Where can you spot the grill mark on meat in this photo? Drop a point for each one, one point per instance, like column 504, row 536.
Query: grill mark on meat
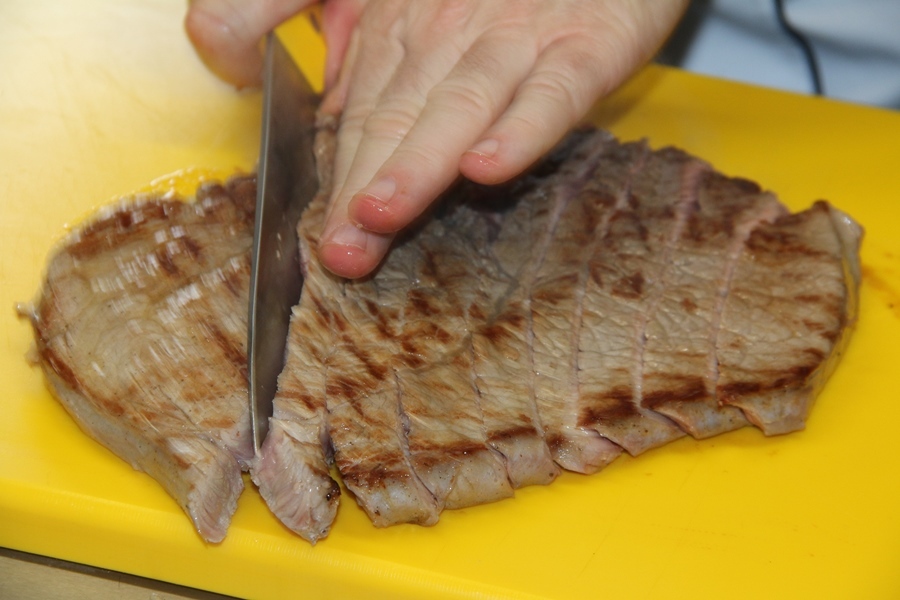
column 558, row 387
column 766, row 239
column 326, row 317
column 233, row 350
column 766, row 371
column 419, row 301
column 677, row 347
column 308, row 401
column 374, row 473
column 514, row 432
column 644, row 228
column 610, row 407
column 499, row 331
column 120, row 328
column 682, row 389
column 502, row 350
column 57, row 364
column 629, row 286
column 689, row 305
column 113, row 229
column 375, row 370
column 219, row 423
column 790, row 377
column 233, row 281
column 382, row 319
column 165, row 260
column 347, row 388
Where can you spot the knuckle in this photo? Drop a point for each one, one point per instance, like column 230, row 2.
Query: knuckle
column 384, row 18
column 486, row 61
column 391, row 122
column 460, row 99
column 421, row 159
column 529, row 126
column 557, row 89
column 353, row 118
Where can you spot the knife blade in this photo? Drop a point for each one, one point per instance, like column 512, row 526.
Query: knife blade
column 286, row 182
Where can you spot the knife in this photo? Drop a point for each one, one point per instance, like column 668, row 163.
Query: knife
column 286, row 182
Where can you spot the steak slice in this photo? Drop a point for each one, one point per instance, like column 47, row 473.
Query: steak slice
column 679, row 356
column 292, row 468
column 141, row 328
column 402, row 373
column 787, row 317
column 624, row 280
column 516, row 369
column 555, row 303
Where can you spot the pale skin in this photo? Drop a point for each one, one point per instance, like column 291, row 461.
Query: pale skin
column 428, row 90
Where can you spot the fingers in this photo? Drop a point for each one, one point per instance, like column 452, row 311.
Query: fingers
column 557, row 92
column 483, row 93
column 572, row 72
column 367, row 71
column 351, row 252
column 227, row 34
column 455, row 112
column 339, row 19
column 409, row 142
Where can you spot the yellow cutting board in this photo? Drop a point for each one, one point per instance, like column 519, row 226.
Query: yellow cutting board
column 98, row 98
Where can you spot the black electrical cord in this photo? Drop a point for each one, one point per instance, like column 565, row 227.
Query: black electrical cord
column 808, row 52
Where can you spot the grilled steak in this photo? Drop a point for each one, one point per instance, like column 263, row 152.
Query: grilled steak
column 141, row 330
column 611, row 300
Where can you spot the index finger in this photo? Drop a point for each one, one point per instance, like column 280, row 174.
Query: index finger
column 458, row 110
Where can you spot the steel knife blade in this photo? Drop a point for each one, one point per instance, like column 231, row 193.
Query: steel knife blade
column 286, row 182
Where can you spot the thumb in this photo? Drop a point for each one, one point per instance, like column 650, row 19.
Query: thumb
column 227, row 34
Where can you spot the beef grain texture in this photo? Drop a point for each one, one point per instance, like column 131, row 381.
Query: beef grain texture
column 141, row 330
column 613, row 299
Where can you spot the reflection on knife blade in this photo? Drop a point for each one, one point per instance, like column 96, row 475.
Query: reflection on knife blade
column 287, row 182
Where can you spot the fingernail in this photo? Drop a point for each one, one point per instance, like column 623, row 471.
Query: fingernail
column 487, row 147
column 348, row 235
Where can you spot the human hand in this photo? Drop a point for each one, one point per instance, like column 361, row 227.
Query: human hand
column 431, row 89
column 227, row 34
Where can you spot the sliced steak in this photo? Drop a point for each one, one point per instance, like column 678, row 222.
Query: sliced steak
column 292, row 468
column 679, row 357
column 625, row 278
column 407, row 375
column 517, row 335
column 573, row 314
column 611, row 300
column 787, row 316
column 555, row 300
column 141, row 329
